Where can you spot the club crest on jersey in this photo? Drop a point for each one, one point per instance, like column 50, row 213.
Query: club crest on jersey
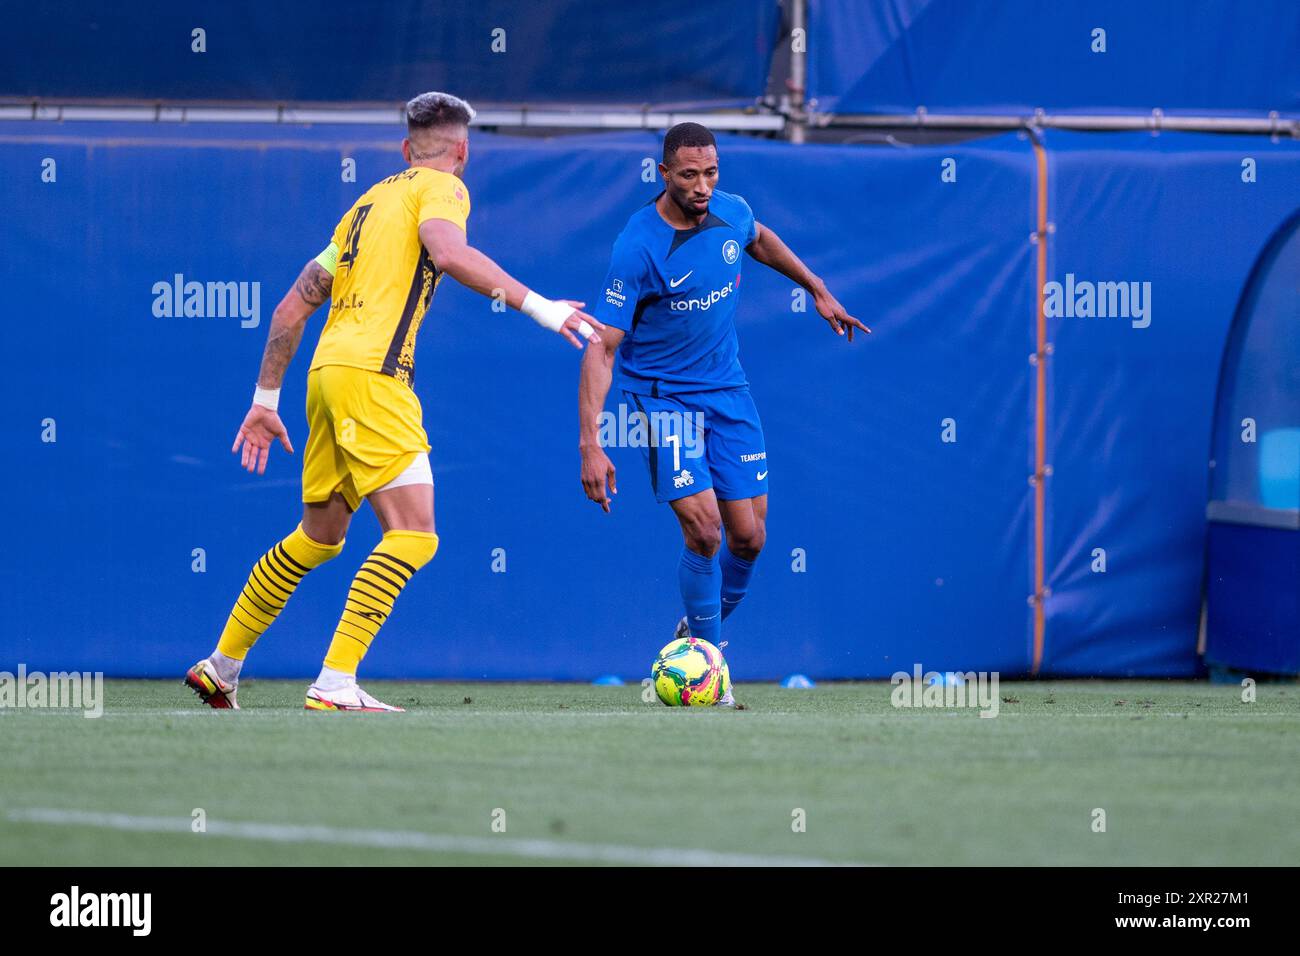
column 684, row 479
column 730, row 251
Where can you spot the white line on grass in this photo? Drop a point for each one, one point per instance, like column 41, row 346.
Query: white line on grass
column 1139, row 712
column 416, row 840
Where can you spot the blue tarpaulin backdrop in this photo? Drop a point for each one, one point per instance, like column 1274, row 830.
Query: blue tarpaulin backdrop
column 502, row 51
column 916, row 549
column 1131, row 410
column 1183, row 56
column 954, row 56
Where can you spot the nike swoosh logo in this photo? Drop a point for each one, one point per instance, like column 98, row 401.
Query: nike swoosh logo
column 709, row 618
column 674, row 283
column 761, row 475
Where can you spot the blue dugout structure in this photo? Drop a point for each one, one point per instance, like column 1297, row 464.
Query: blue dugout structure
column 1253, row 567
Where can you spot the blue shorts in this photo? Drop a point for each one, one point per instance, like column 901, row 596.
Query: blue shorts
column 699, row 440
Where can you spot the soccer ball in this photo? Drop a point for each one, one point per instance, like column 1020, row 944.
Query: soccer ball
column 690, row 673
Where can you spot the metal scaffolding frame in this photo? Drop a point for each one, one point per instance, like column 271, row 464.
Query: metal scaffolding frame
column 1274, row 124
column 794, row 123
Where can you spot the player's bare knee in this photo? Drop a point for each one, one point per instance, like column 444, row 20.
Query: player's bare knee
column 326, row 522
column 748, row 545
column 418, row 525
column 323, row 532
column 703, row 537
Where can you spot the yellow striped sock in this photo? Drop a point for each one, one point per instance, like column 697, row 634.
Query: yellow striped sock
column 270, row 585
column 374, row 590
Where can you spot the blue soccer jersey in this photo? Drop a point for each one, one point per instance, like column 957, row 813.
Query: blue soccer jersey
column 674, row 293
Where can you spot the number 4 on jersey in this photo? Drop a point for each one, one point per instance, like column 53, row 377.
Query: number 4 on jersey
column 348, row 257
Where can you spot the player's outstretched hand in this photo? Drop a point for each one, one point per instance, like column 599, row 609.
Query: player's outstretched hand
column 260, row 426
column 596, row 468
column 580, row 322
column 840, row 321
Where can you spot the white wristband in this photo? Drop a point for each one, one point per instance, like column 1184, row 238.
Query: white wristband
column 545, row 312
column 267, row 398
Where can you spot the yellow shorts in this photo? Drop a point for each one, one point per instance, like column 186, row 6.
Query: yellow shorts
column 364, row 430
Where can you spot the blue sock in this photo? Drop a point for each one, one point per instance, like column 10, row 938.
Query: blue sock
column 701, row 585
column 736, row 573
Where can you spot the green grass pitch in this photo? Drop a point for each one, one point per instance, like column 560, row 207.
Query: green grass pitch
column 1186, row 774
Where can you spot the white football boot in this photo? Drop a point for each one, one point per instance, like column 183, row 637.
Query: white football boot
column 350, row 697
column 204, row 680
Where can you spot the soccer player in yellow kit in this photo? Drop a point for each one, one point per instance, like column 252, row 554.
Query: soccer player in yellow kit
column 366, row 440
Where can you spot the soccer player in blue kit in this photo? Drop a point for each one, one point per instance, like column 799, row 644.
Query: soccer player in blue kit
column 668, row 305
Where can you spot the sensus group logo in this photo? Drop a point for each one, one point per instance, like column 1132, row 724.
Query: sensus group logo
column 614, row 294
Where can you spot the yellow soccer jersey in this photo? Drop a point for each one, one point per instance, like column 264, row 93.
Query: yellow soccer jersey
column 383, row 277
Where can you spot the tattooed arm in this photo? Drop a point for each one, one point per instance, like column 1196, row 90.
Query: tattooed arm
column 262, row 425
column 290, row 317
